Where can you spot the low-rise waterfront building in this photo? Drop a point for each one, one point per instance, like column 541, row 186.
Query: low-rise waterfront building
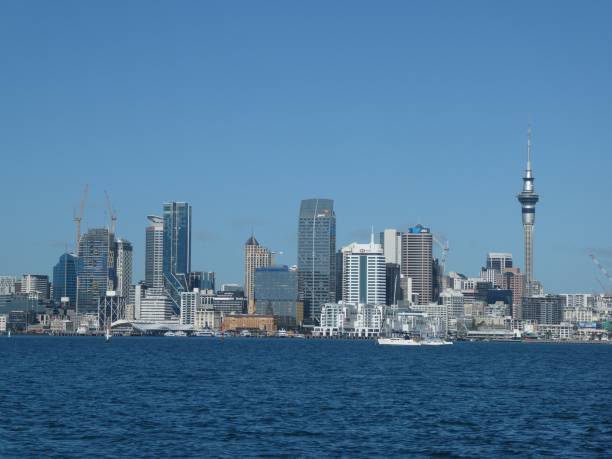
column 238, row 322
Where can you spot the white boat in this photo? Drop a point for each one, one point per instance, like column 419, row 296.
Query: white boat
column 282, row 333
column 435, row 342
column 206, row 332
column 219, row 334
column 169, row 333
column 180, row 333
column 298, row 335
column 401, row 341
column 82, row 330
column 245, row 333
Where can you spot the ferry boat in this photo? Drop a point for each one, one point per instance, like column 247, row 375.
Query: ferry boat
column 435, row 342
column 245, row 333
column 398, row 341
column 180, row 333
column 206, row 332
column 282, row 333
column 169, row 333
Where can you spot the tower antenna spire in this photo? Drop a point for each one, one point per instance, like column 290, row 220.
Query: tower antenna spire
column 529, row 149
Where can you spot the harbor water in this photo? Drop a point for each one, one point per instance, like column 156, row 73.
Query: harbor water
column 249, row 397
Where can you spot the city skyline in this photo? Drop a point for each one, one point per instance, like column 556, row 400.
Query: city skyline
column 441, row 124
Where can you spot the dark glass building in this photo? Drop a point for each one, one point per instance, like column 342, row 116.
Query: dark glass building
column 545, row 309
column 316, row 256
column 94, row 268
column 393, row 285
column 202, row 280
column 65, row 279
column 177, row 247
column 276, row 294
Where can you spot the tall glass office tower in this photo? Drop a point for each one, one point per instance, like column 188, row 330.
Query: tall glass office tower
column 316, row 256
column 177, row 247
column 96, row 273
column 154, row 252
column 65, row 279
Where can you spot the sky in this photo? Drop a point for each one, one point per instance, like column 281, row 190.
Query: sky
column 403, row 112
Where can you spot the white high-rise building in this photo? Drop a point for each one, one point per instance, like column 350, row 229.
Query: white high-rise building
column 36, row 284
column 364, row 273
column 124, row 268
column 154, row 252
column 7, row 285
column 453, row 300
column 154, row 306
column 190, row 303
column 391, row 240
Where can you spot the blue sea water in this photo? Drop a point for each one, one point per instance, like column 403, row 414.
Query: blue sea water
column 204, row 397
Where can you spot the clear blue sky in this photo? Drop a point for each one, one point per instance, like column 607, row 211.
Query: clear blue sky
column 399, row 111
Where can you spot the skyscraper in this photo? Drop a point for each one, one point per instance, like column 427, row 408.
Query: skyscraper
column 499, row 261
column 177, row 247
column 276, row 294
column 154, row 252
column 123, row 267
column 255, row 256
column 528, row 199
column 417, row 262
column 65, row 279
column 391, row 240
column 364, row 274
column 95, row 273
column 316, row 256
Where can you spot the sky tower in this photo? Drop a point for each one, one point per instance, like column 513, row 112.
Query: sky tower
column 528, row 199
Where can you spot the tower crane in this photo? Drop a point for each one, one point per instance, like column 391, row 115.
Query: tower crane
column 111, row 212
column 79, row 217
column 603, row 270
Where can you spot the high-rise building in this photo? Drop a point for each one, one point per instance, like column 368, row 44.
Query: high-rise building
column 515, row 281
column 8, row 285
column 316, row 256
column 391, row 240
column 177, row 248
column 95, row 275
column 417, row 262
column 123, row 267
column 190, row 303
column 393, row 282
column 544, row 309
column 37, row 284
column 453, row 300
column 276, row 294
column 204, row 281
column 528, row 199
column 498, row 261
column 154, row 252
column 255, row 256
column 364, row 274
column 65, row 279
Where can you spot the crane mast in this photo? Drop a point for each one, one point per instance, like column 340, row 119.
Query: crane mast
column 79, row 217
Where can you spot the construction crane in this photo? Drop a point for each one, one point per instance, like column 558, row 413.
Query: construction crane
column 443, row 244
column 79, row 217
column 603, row 270
column 111, row 212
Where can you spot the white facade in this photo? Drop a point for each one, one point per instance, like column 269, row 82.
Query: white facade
column 207, row 318
column 576, row 300
column 392, row 245
column 190, row 303
column 453, row 300
column 363, row 274
column 155, row 307
column 35, row 284
column 3, row 323
column 7, row 285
